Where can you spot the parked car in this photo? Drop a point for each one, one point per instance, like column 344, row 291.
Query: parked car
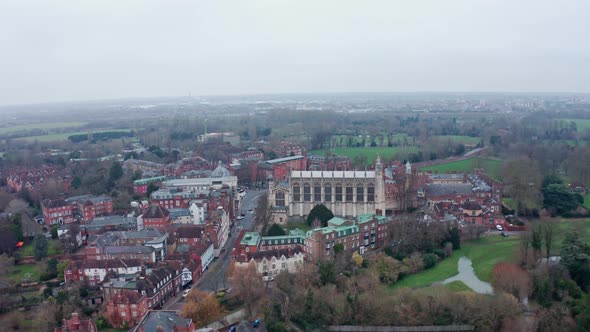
column 504, row 234
column 268, row 278
column 499, row 227
column 239, row 217
column 186, row 292
column 257, row 322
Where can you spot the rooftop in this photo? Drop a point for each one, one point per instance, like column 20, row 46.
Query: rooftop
column 448, row 189
column 334, row 174
column 250, row 239
column 166, row 320
column 285, row 159
column 336, row 221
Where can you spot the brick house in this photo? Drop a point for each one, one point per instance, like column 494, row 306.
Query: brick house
column 154, row 217
column 126, row 308
column 57, row 212
column 87, row 207
column 75, row 324
column 94, row 272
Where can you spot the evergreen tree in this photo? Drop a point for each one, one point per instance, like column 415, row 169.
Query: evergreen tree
column 41, row 246
column 575, row 256
column 320, row 212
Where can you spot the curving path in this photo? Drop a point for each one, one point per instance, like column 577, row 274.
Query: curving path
column 468, row 277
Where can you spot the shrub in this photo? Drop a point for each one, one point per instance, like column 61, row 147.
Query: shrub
column 448, row 248
column 440, row 253
column 430, row 260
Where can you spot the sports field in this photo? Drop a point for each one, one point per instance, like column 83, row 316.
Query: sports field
column 370, row 152
column 492, row 166
column 581, row 124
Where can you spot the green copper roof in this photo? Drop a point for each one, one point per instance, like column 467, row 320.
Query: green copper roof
column 250, row 239
column 336, row 221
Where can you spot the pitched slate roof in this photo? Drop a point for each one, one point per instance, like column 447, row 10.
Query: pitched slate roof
column 155, row 212
column 439, row 189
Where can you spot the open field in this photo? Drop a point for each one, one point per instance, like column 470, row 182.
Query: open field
column 64, row 136
column 581, row 124
column 370, row 152
column 492, row 166
column 457, row 286
column 484, row 253
column 460, row 139
column 487, row 252
column 41, row 126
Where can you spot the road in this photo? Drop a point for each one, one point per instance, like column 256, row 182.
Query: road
column 214, row 278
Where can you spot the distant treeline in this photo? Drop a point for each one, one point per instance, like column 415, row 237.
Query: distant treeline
column 101, row 136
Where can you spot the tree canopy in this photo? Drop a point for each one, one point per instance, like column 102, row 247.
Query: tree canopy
column 321, row 213
column 276, row 230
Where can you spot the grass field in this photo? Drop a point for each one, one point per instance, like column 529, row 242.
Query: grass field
column 457, row 286
column 461, row 139
column 41, row 126
column 581, row 124
column 370, row 152
column 587, row 201
column 19, row 271
column 64, row 136
column 55, row 248
column 492, row 166
column 487, row 252
column 484, row 253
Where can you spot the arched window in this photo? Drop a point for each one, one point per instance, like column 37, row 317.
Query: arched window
column 328, row 193
column 370, row 193
column 317, row 192
column 306, row 192
column 296, row 192
column 349, row 192
column 338, row 192
column 280, row 198
column 360, row 193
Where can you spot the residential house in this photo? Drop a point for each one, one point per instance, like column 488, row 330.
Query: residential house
column 75, row 324
column 126, row 309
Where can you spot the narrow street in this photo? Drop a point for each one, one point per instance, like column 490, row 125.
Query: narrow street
column 214, row 278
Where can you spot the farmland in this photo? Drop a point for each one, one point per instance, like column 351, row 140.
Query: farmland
column 41, row 127
column 468, row 140
column 64, row 136
column 492, row 166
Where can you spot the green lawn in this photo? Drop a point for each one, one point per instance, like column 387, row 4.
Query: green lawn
column 484, row 253
column 492, row 166
column 64, row 136
column 19, row 271
column 487, row 252
column 370, row 152
column 508, row 201
column 581, row 124
column 587, row 201
column 55, row 248
column 41, row 126
column 457, row 286
column 460, row 139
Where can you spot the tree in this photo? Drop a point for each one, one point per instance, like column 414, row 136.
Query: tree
column 357, row 259
column 70, row 240
column 536, row 240
column 320, row 212
column 548, row 228
column 523, row 180
column 41, row 246
column 248, row 286
column 116, row 171
column 276, row 230
column 575, row 256
column 386, row 268
column 455, row 237
column 17, row 206
column 558, row 199
column 430, row 260
column 512, row 279
column 151, row 188
column 327, row 270
column 201, row 307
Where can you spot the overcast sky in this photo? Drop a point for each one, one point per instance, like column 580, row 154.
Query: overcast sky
column 81, row 50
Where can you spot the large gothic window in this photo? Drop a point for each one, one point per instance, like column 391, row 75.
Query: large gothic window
column 296, row 192
column 338, row 192
column 280, row 198
column 360, row 193
column 306, row 192
column 370, row 193
column 349, row 192
column 317, row 192
column 328, row 193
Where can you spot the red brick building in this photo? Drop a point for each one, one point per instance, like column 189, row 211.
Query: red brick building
column 140, row 186
column 94, row 272
column 191, row 234
column 126, row 309
column 57, row 212
column 155, row 217
column 88, row 207
column 281, row 167
column 75, row 324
